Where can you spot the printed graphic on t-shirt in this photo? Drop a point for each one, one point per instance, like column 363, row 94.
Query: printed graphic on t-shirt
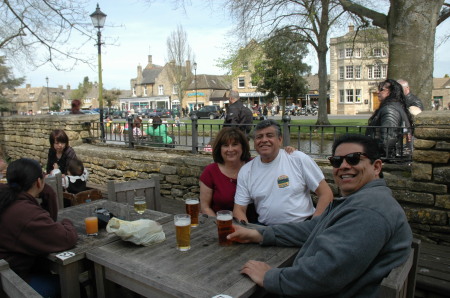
column 283, row 181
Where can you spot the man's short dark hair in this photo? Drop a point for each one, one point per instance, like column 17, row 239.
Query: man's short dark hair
column 370, row 146
column 267, row 123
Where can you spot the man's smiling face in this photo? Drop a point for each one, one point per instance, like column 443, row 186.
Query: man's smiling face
column 267, row 143
column 351, row 178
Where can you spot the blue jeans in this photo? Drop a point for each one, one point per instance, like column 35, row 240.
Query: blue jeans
column 47, row 285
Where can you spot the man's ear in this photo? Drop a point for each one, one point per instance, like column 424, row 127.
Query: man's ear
column 377, row 166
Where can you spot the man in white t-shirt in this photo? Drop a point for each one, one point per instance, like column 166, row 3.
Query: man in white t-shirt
column 279, row 183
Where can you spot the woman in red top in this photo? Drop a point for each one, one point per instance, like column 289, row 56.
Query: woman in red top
column 219, row 179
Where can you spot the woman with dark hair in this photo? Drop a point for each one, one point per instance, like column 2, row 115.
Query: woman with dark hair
column 60, row 153
column 28, row 232
column 158, row 129
column 387, row 120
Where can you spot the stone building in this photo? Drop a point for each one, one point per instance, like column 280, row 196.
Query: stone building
column 358, row 62
column 441, row 92
column 37, row 100
column 153, row 88
column 207, row 90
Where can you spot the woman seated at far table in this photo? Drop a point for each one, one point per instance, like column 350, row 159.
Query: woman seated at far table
column 218, row 181
column 60, row 153
column 158, row 129
column 28, row 231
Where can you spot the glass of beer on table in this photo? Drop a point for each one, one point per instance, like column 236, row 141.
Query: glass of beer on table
column 193, row 209
column 183, row 231
column 224, row 226
column 140, row 204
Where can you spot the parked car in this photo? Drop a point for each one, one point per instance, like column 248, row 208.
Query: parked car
column 165, row 113
column 118, row 114
column 91, row 112
column 211, row 112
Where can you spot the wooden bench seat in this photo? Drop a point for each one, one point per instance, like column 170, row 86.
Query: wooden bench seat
column 11, row 285
column 433, row 275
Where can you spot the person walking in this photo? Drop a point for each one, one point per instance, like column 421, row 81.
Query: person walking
column 237, row 114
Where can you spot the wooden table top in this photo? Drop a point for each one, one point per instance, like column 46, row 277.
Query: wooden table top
column 206, row 270
column 78, row 213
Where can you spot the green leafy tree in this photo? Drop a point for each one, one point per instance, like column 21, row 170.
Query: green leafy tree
column 82, row 90
column 7, row 81
column 110, row 97
column 280, row 71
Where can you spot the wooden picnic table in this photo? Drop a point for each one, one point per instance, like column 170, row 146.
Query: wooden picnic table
column 160, row 270
column 71, row 263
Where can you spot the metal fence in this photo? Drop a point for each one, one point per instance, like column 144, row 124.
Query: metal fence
column 314, row 140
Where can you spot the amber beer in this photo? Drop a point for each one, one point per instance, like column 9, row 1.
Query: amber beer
column 192, row 208
column 224, row 226
column 183, row 231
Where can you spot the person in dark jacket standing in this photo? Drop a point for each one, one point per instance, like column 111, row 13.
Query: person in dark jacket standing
column 411, row 99
column 238, row 114
column 28, row 231
column 387, row 121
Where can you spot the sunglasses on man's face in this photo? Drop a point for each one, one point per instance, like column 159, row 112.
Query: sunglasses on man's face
column 351, row 158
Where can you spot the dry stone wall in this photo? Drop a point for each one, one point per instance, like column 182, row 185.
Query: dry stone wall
column 421, row 188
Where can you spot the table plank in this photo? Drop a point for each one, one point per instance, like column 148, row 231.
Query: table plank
column 204, row 271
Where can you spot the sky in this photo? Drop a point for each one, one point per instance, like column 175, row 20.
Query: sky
column 135, row 29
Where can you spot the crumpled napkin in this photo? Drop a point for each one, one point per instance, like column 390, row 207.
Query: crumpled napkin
column 141, row 232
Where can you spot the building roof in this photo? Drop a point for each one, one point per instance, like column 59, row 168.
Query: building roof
column 441, row 83
column 313, row 82
column 214, row 82
column 150, row 74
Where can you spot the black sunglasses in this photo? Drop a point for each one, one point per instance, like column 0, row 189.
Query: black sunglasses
column 351, row 158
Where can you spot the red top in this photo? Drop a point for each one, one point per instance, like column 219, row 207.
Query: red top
column 223, row 187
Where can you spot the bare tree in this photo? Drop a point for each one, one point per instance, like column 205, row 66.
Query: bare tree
column 178, row 52
column 411, row 27
column 36, row 32
column 312, row 19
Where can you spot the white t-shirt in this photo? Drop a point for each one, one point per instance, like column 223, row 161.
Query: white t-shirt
column 280, row 189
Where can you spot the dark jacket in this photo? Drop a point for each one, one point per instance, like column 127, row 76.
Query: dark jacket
column 239, row 115
column 63, row 162
column 387, row 122
column 28, row 232
column 412, row 100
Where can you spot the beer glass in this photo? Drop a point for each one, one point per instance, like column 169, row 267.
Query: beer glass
column 139, row 204
column 192, row 208
column 91, row 225
column 224, row 226
column 183, row 231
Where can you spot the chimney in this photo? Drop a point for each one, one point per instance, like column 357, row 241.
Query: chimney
column 139, row 71
column 351, row 28
column 150, row 60
column 68, row 87
column 188, row 68
column 28, row 86
column 60, row 86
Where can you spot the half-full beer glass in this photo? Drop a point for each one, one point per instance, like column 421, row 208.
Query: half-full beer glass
column 224, row 226
column 192, row 208
column 183, row 231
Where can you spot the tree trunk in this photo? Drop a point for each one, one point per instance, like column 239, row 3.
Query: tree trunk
column 411, row 29
column 322, row 118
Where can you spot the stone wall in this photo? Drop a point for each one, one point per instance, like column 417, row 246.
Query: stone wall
column 422, row 188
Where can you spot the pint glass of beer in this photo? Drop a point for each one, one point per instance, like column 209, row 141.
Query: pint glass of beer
column 192, row 208
column 183, row 231
column 224, row 226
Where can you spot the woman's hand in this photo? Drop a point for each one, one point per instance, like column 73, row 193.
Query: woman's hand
column 289, row 149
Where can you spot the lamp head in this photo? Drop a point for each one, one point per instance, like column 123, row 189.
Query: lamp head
column 98, row 18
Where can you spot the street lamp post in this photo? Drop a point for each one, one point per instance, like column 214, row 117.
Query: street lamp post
column 98, row 20
column 48, row 95
column 195, row 81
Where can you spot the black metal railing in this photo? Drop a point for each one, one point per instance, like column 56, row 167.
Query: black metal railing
column 314, row 140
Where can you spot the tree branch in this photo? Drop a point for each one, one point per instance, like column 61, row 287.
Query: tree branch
column 445, row 13
column 378, row 19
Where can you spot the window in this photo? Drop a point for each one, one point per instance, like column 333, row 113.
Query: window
column 358, row 95
column 145, row 90
column 357, row 71
column 341, row 53
column 245, row 65
column 175, row 89
column 375, row 71
column 357, row 53
column 341, row 72
column 379, row 52
column 349, row 95
column 348, row 52
column 134, row 91
column 341, row 96
column 241, row 82
column 384, row 70
column 349, row 72
column 160, row 89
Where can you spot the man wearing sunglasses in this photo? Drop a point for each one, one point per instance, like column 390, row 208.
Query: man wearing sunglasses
column 352, row 246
